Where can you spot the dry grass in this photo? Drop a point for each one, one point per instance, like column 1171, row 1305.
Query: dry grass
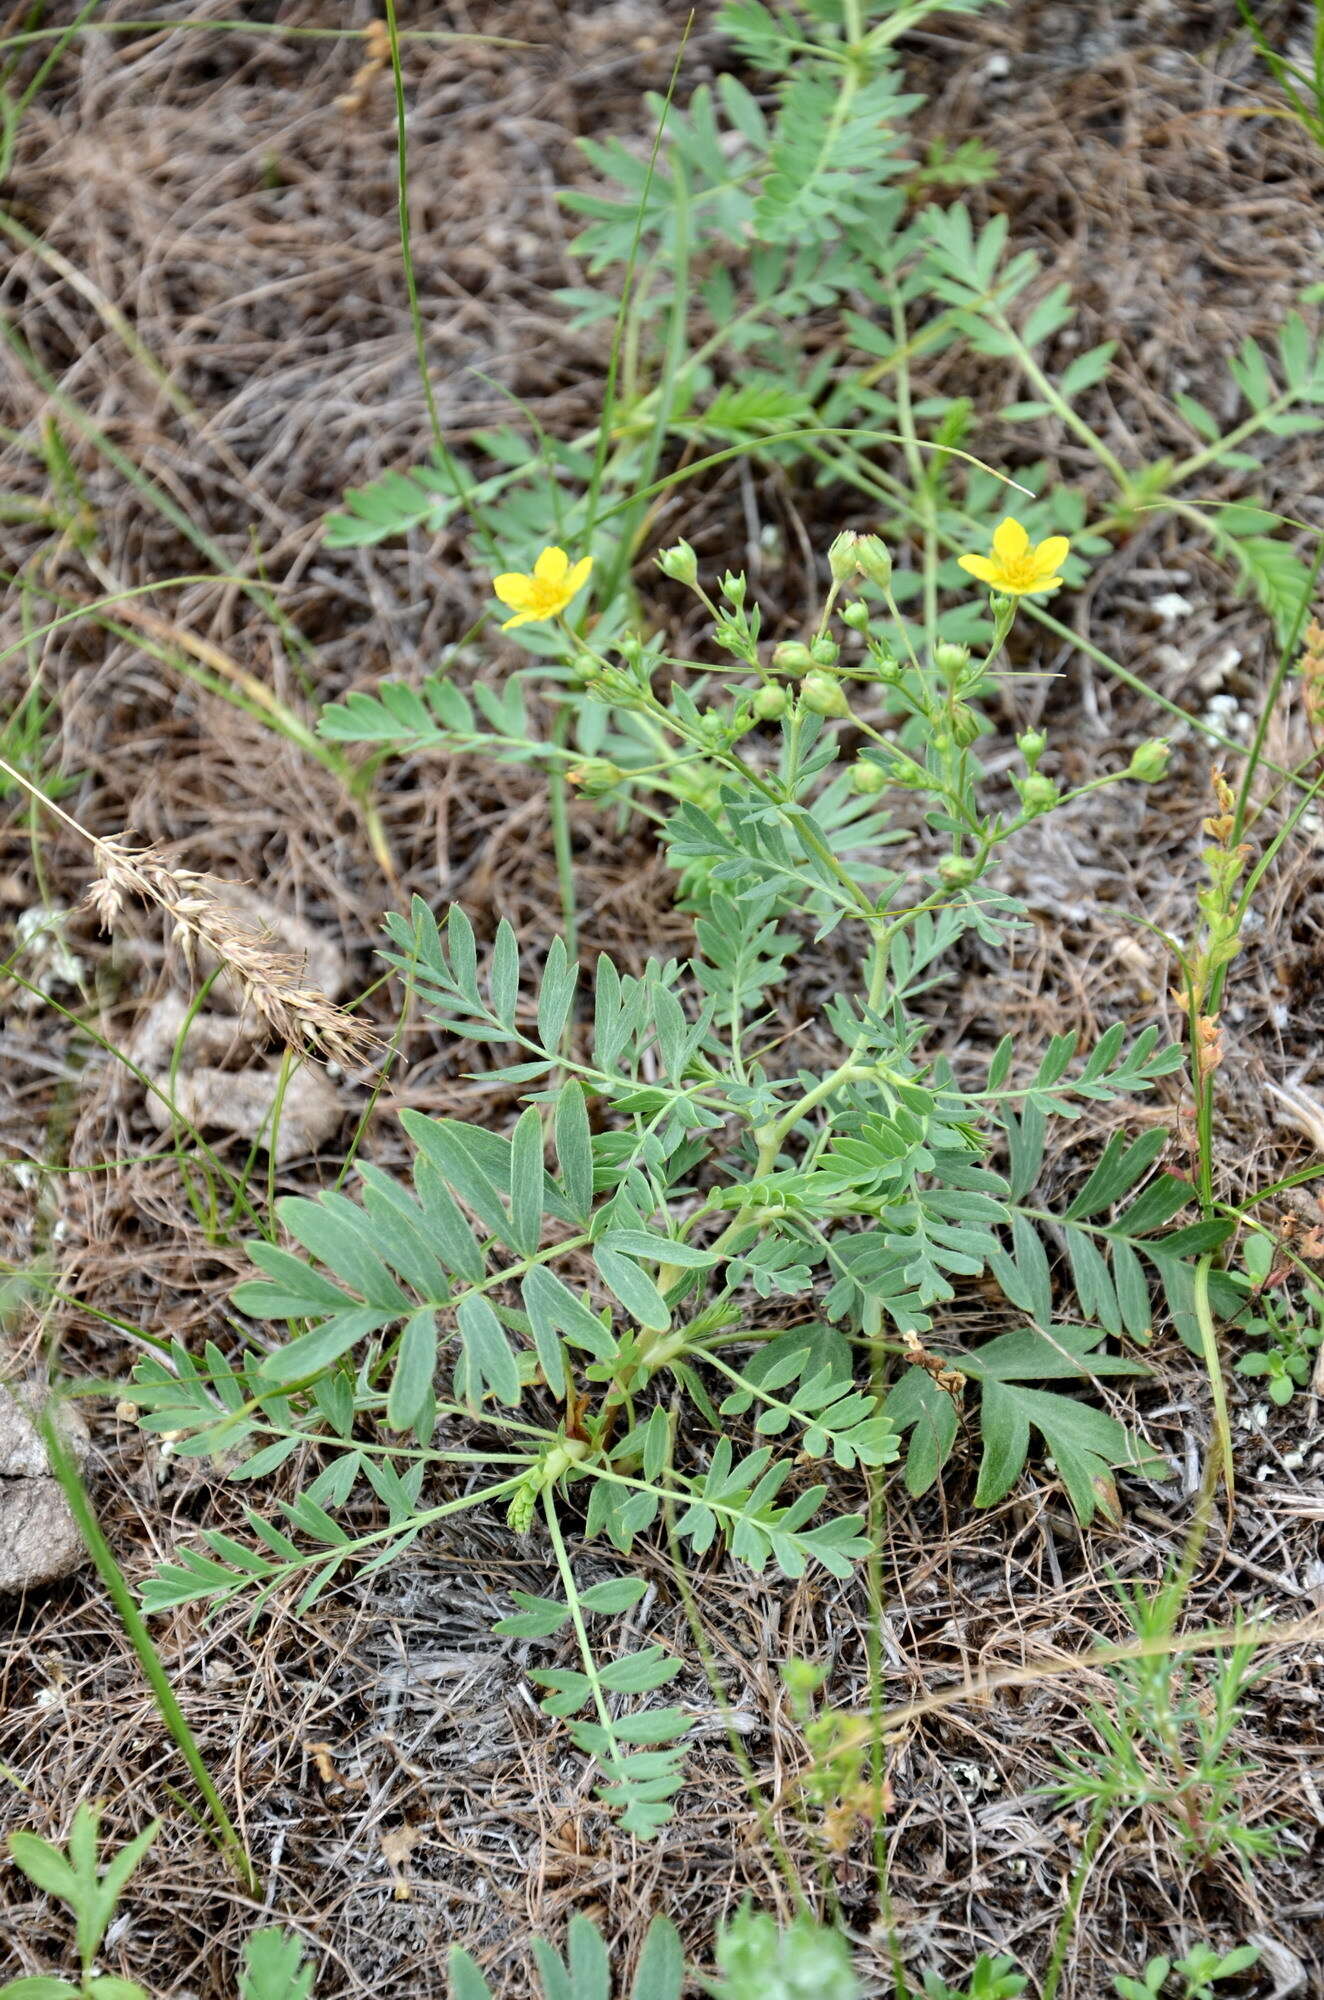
column 215, row 191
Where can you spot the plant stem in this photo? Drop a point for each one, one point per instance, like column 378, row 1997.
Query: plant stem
column 1051, row 395
column 1071, row 1908
column 141, row 1640
column 558, row 814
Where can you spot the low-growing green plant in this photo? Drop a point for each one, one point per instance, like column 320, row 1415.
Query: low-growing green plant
column 762, row 208
column 1287, row 1332
column 758, row 1959
column 1167, row 1740
column 92, row 1882
column 991, row 1979
column 585, row 1971
column 717, row 1240
column 274, row 1967
column 92, row 1886
column 1302, row 86
column 836, row 1782
column 1198, row 1970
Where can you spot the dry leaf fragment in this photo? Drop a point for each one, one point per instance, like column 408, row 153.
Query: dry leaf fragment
column 397, row 1846
column 326, row 1768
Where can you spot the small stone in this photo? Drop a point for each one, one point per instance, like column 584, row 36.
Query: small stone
column 39, row 1538
column 236, row 1102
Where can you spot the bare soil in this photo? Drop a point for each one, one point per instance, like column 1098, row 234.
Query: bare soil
column 204, row 201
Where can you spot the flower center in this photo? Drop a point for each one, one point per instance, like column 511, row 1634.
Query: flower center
column 546, row 597
column 1020, row 570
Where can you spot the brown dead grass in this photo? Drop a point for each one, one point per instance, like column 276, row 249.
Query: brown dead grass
column 209, row 188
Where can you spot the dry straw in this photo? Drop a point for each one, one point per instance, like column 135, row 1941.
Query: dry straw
column 269, row 980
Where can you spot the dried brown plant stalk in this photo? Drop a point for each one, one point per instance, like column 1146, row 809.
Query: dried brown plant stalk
column 269, row 980
column 301, row 1016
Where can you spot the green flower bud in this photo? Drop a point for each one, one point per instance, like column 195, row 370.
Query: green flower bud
column 733, row 589
column 842, row 558
column 1032, row 746
column 825, row 651
column 823, row 696
column 680, row 564
column 770, row 703
column 594, row 776
column 790, row 657
column 1149, row 762
column 856, row 615
column 956, row 870
column 874, row 560
column 941, row 741
column 951, row 660
column 1038, row 793
column 966, row 725
column 867, row 777
column 888, row 670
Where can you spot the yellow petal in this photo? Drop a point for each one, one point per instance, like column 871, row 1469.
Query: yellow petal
column 979, row 566
column 514, row 589
column 1010, row 539
column 578, row 576
column 1051, row 553
column 520, row 618
column 551, row 566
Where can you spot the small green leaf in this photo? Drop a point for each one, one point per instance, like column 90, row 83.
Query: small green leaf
column 486, row 1362
column 636, row 1292
column 614, row 1595
column 527, row 1181
column 574, row 1147
column 44, row 1864
column 39, row 1986
column 466, row 1981
column 415, row 1365
column 274, row 1968
column 537, row 1617
column 661, row 1971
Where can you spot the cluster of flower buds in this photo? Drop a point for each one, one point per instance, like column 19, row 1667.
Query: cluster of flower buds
column 853, row 555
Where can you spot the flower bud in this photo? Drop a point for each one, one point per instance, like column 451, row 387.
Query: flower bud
column 595, row 776
column 680, row 563
column 790, row 657
column 1038, row 793
column 523, row 1507
column 956, row 870
column 951, row 660
column 888, row 670
column 966, row 725
column 1032, row 745
column 1149, row 762
column 856, row 615
column 822, row 695
column 770, row 703
column 874, row 560
column 824, row 651
column 867, row 777
column 842, row 558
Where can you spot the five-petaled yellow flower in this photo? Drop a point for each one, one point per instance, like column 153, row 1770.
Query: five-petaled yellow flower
column 1018, row 567
column 546, row 591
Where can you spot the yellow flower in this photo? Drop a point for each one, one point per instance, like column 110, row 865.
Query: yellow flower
column 1018, row 568
column 546, row 591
